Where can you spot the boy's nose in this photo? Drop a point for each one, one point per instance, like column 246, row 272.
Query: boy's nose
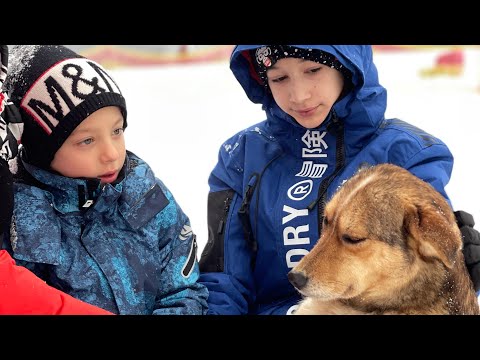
column 298, row 93
column 109, row 153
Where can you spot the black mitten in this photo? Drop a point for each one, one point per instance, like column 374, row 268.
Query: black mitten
column 471, row 245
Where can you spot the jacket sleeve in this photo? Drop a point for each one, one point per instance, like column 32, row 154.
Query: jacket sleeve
column 424, row 155
column 225, row 264
column 23, row 293
column 181, row 293
column 434, row 165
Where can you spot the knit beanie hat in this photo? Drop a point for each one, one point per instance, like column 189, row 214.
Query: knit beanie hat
column 55, row 90
column 266, row 56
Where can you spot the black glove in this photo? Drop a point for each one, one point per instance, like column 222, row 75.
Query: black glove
column 11, row 125
column 471, row 245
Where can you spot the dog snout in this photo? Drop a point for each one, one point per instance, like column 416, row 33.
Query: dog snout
column 297, row 279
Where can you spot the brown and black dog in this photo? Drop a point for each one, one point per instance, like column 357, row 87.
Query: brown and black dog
column 389, row 245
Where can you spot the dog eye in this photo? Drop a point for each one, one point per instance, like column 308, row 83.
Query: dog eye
column 325, row 221
column 352, row 240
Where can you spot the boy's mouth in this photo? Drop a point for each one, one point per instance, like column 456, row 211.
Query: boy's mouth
column 108, row 177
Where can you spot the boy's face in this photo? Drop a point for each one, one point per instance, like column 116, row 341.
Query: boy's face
column 304, row 89
column 95, row 149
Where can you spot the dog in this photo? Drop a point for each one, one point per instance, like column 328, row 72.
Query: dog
column 389, row 245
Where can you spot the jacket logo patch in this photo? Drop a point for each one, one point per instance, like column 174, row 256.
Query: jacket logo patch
column 300, row 190
column 185, row 232
column 192, row 257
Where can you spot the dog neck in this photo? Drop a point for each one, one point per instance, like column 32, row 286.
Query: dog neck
column 459, row 286
column 438, row 293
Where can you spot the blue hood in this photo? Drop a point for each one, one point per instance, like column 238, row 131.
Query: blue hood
column 362, row 109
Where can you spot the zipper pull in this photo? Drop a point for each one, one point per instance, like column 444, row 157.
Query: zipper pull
column 252, row 183
column 313, row 204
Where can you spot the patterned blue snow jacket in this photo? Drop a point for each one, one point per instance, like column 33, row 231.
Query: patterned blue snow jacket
column 269, row 187
column 131, row 252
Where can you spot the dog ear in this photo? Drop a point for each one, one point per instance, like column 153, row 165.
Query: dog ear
column 434, row 235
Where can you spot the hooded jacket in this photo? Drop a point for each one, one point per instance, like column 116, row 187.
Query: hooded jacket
column 125, row 247
column 272, row 180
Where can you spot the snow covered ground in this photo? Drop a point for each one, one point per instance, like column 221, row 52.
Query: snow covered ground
column 178, row 116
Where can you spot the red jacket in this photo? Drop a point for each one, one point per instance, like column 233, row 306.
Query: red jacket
column 23, row 293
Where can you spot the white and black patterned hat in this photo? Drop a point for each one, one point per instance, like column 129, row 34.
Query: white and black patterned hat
column 55, row 90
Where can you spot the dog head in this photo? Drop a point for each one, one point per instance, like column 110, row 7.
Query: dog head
column 381, row 230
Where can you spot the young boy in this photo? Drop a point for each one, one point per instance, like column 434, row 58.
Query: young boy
column 90, row 217
column 21, row 292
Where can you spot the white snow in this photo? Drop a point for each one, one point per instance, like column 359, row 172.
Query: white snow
column 179, row 116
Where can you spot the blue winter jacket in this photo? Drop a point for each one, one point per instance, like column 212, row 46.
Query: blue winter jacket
column 131, row 251
column 269, row 187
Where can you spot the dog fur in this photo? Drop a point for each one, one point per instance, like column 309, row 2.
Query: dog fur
column 389, row 245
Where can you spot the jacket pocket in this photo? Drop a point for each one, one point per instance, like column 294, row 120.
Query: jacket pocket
column 36, row 233
column 146, row 208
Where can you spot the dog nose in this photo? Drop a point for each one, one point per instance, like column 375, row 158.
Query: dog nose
column 297, row 279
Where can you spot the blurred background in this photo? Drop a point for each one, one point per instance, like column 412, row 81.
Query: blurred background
column 142, row 55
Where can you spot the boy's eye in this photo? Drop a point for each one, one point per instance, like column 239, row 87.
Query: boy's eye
column 86, row 141
column 118, row 131
column 278, row 79
column 315, row 69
